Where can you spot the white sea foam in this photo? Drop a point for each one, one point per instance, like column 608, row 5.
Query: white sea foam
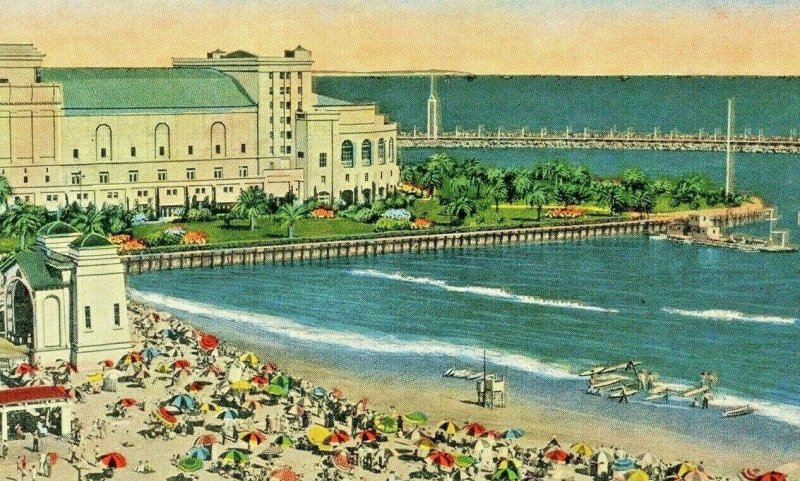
column 482, row 291
column 725, row 315
column 383, row 344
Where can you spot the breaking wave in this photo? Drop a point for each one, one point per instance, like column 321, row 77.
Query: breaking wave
column 725, row 315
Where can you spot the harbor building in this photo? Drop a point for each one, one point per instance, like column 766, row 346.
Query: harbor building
column 51, row 302
column 203, row 129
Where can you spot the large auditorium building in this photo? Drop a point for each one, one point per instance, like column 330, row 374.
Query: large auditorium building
column 203, row 129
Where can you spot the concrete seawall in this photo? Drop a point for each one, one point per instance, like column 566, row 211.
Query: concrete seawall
column 321, row 251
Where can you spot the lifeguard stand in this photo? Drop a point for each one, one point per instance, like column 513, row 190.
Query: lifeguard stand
column 492, row 391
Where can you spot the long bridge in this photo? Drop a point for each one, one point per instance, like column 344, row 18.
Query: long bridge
column 594, row 139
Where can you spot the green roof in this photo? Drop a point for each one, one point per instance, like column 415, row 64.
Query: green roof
column 57, row 228
column 323, row 101
column 90, row 240
column 34, row 267
column 96, row 91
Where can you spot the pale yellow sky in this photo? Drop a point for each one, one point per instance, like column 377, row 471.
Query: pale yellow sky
column 536, row 37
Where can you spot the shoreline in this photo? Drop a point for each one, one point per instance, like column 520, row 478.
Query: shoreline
column 443, row 401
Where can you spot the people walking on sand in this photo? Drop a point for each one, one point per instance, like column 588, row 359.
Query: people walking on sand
column 36, row 441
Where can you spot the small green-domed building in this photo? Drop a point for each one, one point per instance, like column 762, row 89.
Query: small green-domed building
column 64, row 297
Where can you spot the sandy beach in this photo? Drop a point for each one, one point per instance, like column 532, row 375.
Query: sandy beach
column 126, row 430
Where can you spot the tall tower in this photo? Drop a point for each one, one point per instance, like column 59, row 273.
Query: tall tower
column 729, row 161
column 434, row 112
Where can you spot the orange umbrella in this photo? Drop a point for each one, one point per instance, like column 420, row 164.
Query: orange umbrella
column 338, row 437
column 337, row 393
column 492, row 434
column 284, row 474
column 474, row 429
column 113, row 460
column 206, row 439
column 254, row 438
column 166, row 416
column 181, row 364
column 558, row 455
column 751, row 474
column 440, row 458
column 208, row 342
column 772, row 476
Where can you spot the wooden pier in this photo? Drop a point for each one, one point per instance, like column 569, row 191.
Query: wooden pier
column 323, row 251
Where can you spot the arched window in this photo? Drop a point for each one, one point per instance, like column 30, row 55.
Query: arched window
column 162, row 141
column 347, row 154
column 391, row 150
column 102, row 142
column 381, row 151
column 218, row 140
column 366, row 152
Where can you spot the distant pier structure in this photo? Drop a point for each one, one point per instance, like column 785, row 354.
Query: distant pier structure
column 729, row 160
column 434, row 112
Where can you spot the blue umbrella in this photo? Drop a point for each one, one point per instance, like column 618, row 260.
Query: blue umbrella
column 228, row 414
column 319, row 392
column 151, row 351
column 200, row 452
column 184, row 402
column 513, row 433
column 623, row 464
column 168, row 332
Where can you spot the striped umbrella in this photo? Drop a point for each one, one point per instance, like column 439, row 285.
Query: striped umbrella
column 206, row 439
column 190, row 464
column 751, row 474
column 513, row 433
column 200, row 452
column 683, row 468
column 415, row 418
column 283, row 441
column 337, row 438
column 771, row 476
column 164, row 415
column 557, row 455
column 582, row 448
column 284, row 474
column 113, row 460
column 387, row 424
column 254, row 438
column 449, row 427
column 368, row 436
column 234, row 456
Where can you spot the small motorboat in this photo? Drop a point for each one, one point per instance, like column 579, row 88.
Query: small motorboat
column 738, row 411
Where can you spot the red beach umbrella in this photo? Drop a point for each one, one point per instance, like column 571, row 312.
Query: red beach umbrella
column 751, row 474
column 558, row 455
column 284, row 474
column 474, row 429
column 338, row 437
column 208, row 342
column 26, row 368
column 166, row 416
column 181, row 364
column 127, row 402
column 259, row 380
column 439, row 458
column 206, row 439
column 772, row 476
column 367, row 436
column 254, row 438
column 113, row 460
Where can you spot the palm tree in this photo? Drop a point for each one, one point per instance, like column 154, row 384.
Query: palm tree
column 5, row 191
column 538, row 196
column 522, row 183
column 89, row 220
column 608, row 193
column 290, row 214
column 497, row 192
column 252, row 204
column 460, row 208
column 23, row 219
column 643, row 201
column 634, row 179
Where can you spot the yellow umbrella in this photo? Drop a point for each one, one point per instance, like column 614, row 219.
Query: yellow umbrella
column 685, row 468
column 449, row 427
column 241, row 385
column 582, row 448
column 94, row 377
column 637, row 475
column 317, row 434
column 425, row 443
column 164, row 368
column 249, row 358
column 506, row 463
column 209, row 407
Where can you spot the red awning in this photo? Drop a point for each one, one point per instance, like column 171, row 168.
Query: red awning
column 19, row 395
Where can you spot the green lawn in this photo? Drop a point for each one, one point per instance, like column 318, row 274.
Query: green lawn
column 509, row 213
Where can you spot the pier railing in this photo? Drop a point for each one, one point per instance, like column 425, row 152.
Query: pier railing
column 609, row 139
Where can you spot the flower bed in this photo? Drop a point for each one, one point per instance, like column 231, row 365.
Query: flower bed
column 566, row 212
column 322, row 213
column 397, row 214
column 195, row 237
column 421, row 223
column 126, row 243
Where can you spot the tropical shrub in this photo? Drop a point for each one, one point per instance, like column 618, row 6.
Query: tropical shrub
column 158, row 239
column 365, row 215
column 199, row 214
column 385, row 224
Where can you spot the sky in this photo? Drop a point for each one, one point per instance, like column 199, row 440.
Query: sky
column 569, row 37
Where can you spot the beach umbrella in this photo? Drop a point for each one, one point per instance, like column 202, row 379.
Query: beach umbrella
column 367, row 436
column 415, row 418
column 284, row 474
column 341, row 461
column 319, row 392
column 474, row 429
column 94, row 377
column 142, row 374
column 227, row 414
column 196, row 386
column 26, row 369
column 492, row 434
column 249, row 358
column 464, row 460
column 386, row 452
column 200, row 452
column 241, row 385
column 279, row 386
column 623, row 464
column 113, row 460
column 283, row 441
column 151, row 352
column 645, row 459
column 209, row 408
column 52, row 457
column 637, row 475
column 481, row 444
column 168, row 332
column 425, row 443
column 234, row 456
column 206, row 439
column 770, row 476
column 440, row 459
column 387, row 424
column 337, row 438
column 163, row 368
column 259, row 380
column 190, row 464
column 317, row 434
column 750, row 474
column 683, row 468
column 449, row 427
column 507, row 474
column 557, row 455
column 164, row 415
column 337, row 393
column 699, row 475
column 127, row 402
column 181, row 364
column 207, row 342
column 253, row 404
column 581, row 448
column 254, row 438
column 269, row 367
column 184, row 402
column 130, row 358
column 271, row 450
column 513, row 433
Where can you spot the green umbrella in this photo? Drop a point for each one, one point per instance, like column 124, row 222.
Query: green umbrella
column 190, row 464
column 234, row 456
column 508, row 474
column 283, row 441
column 279, row 386
column 464, row 460
column 416, row 418
column 387, row 424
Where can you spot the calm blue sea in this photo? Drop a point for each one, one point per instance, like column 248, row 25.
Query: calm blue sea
column 545, row 312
